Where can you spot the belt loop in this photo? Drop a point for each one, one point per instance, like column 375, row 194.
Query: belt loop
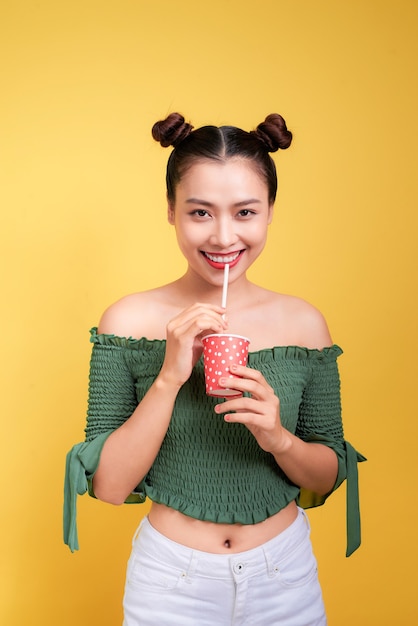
column 306, row 518
column 271, row 568
column 194, row 559
column 138, row 530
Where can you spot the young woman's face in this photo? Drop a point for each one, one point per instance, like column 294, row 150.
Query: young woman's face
column 221, row 215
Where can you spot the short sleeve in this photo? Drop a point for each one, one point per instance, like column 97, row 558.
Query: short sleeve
column 112, row 400
column 111, row 390
column 320, row 422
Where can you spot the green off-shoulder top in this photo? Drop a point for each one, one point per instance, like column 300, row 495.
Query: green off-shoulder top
column 207, row 468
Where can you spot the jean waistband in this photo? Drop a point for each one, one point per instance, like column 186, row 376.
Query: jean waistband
column 249, row 562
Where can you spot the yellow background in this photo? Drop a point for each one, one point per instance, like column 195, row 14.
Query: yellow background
column 83, row 223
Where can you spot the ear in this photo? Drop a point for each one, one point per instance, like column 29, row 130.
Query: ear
column 270, row 214
column 170, row 213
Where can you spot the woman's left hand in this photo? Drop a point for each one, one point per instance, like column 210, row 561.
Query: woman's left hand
column 260, row 413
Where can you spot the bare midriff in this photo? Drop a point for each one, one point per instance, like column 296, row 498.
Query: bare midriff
column 218, row 538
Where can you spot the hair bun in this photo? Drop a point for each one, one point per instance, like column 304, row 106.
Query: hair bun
column 172, row 130
column 273, row 133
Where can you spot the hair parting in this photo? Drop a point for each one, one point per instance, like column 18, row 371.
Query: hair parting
column 220, row 144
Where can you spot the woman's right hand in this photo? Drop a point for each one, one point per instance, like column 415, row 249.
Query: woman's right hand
column 184, row 334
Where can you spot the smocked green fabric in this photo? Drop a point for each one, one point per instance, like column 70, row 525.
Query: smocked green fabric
column 206, row 468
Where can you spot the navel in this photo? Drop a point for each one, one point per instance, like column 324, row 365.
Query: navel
column 227, row 543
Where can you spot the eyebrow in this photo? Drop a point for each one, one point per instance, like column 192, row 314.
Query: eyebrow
column 209, row 204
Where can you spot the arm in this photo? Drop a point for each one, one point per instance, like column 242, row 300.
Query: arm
column 309, row 465
column 121, row 468
column 317, row 457
column 312, row 466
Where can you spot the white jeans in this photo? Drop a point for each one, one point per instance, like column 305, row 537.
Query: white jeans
column 169, row 584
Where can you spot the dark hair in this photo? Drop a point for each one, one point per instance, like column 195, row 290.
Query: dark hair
column 220, row 144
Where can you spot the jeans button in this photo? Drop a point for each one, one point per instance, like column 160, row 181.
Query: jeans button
column 239, row 568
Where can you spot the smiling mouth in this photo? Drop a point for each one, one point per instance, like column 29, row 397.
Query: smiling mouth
column 220, row 260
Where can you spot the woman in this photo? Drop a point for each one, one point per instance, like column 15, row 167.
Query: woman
column 225, row 541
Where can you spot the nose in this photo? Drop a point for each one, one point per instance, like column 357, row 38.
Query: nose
column 224, row 233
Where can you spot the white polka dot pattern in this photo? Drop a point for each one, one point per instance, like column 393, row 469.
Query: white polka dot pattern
column 219, row 353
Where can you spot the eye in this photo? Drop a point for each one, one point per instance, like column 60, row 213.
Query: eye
column 246, row 213
column 200, row 213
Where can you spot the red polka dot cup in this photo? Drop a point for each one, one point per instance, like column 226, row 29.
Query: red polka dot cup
column 219, row 353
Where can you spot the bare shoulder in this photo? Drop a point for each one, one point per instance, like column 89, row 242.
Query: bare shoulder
column 305, row 322
column 294, row 321
column 136, row 315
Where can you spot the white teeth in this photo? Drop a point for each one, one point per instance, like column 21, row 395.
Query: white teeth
column 222, row 259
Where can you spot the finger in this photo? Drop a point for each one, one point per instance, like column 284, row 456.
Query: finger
column 258, row 389
column 248, row 372
column 264, row 422
column 198, row 316
column 249, row 419
column 197, row 325
column 240, row 405
column 239, row 418
column 198, row 308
